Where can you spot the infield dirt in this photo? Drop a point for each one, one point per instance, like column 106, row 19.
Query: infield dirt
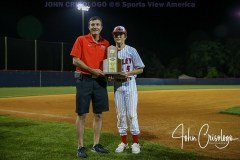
column 159, row 114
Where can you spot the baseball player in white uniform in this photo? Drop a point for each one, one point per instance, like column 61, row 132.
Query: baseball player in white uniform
column 125, row 91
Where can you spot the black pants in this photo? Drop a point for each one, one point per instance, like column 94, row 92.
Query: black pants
column 94, row 89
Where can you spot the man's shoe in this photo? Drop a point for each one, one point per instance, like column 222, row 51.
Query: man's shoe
column 99, row 148
column 135, row 148
column 121, row 147
column 81, row 152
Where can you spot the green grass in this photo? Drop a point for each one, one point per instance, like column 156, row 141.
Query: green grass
column 233, row 110
column 37, row 91
column 34, row 91
column 23, row 139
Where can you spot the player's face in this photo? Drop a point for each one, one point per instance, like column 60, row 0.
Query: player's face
column 119, row 38
column 95, row 27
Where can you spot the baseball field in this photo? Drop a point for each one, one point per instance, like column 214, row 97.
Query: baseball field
column 176, row 122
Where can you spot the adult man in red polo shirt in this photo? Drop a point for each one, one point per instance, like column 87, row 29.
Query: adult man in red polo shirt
column 88, row 52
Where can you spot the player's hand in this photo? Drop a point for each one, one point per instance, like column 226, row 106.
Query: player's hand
column 125, row 74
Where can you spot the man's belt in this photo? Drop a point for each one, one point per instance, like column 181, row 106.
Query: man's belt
column 80, row 75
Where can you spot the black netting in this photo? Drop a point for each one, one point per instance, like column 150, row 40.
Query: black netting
column 2, row 53
column 49, row 55
column 20, row 54
column 67, row 59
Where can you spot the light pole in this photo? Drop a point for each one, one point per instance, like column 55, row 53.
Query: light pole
column 84, row 8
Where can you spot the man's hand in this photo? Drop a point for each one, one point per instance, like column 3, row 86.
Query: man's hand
column 97, row 72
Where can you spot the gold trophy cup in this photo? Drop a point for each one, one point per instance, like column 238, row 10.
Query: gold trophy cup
column 112, row 66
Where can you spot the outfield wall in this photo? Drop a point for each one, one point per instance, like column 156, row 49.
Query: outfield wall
column 56, row 78
column 197, row 81
column 38, row 78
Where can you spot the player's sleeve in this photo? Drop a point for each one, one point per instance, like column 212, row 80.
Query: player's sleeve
column 137, row 61
column 77, row 48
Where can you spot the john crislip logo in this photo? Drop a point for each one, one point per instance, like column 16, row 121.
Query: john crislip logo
column 204, row 138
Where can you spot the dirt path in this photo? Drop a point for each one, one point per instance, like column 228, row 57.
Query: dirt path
column 160, row 112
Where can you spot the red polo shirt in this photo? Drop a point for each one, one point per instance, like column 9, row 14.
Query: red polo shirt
column 90, row 52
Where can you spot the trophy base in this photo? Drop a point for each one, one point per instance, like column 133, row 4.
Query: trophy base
column 115, row 75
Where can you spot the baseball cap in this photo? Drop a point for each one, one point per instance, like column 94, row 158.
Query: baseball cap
column 119, row 29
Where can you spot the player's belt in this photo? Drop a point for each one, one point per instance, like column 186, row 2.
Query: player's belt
column 124, row 80
column 129, row 78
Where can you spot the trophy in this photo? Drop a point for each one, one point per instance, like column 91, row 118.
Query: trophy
column 112, row 66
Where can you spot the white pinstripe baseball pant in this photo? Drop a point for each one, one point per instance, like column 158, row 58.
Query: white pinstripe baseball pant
column 126, row 99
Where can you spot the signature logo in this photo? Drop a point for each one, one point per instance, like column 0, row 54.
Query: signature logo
column 204, row 138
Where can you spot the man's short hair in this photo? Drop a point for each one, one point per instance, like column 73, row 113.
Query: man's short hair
column 95, row 18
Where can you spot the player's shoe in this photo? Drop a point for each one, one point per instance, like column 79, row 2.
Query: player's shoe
column 81, row 152
column 99, row 148
column 135, row 148
column 121, row 147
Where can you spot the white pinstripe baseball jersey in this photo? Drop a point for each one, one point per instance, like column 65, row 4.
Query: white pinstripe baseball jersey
column 125, row 93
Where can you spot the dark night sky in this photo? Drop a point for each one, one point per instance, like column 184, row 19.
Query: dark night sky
column 166, row 30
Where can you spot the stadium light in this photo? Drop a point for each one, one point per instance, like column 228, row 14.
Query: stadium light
column 84, row 8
